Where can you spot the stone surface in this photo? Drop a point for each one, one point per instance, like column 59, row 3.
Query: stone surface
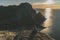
column 24, row 35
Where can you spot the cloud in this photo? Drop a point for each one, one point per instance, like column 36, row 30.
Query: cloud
column 11, row 2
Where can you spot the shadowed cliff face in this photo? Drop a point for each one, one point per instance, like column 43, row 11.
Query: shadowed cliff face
column 8, row 15
column 12, row 17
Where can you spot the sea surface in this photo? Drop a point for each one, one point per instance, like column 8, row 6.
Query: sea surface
column 52, row 22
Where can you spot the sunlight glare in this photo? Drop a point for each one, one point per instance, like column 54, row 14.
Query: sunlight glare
column 48, row 11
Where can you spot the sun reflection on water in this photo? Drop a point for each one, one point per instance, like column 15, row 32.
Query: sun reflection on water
column 48, row 15
column 48, row 12
column 49, row 21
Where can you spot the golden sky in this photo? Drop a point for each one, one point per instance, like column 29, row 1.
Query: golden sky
column 47, row 4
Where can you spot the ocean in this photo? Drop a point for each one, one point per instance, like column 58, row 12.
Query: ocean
column 52, row 22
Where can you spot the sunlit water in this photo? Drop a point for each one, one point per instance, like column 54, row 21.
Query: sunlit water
column 52, row 23
column 49, row 21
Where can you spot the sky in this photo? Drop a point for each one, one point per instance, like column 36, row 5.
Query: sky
column 16, row 2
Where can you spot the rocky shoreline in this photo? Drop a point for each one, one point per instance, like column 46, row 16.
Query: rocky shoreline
column 6, row 35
